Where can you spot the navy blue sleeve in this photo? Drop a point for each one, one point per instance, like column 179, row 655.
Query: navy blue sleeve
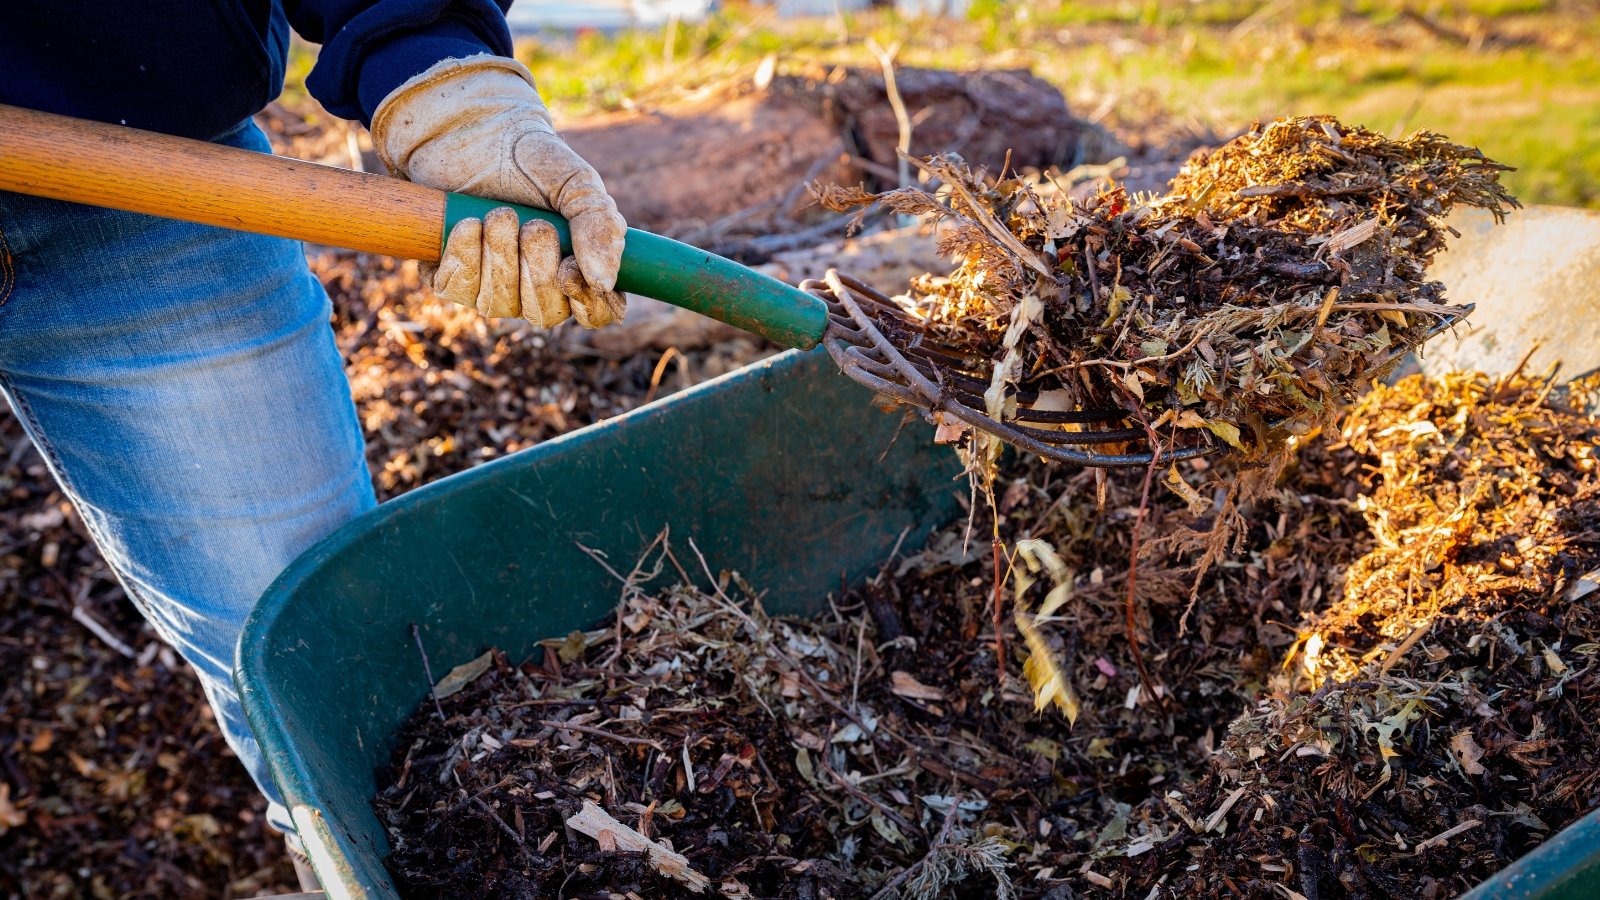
column 370, row 47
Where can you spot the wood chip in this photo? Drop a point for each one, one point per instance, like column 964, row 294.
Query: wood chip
column 1215, row 822
column 1444, row 837
column 1584, row 586
column 612, row 835
column 1353, row 236
column 904, row 685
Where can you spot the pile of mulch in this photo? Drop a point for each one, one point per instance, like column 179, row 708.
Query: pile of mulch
column 1250, row 302
column 876, row 752
column 1437, row 719
column 872, row 752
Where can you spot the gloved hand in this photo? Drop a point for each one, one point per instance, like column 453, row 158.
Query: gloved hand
column 477, row 126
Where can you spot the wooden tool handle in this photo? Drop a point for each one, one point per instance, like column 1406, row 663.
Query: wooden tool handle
column 177, row 178
column 138, row 171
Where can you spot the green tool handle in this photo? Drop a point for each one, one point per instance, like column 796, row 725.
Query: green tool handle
column 688, row 277
column 47, row 155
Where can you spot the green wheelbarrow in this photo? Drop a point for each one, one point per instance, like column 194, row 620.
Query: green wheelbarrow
column 778, row 471
column 782, row 471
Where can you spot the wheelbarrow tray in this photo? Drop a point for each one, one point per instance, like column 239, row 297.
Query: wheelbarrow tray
column 783, row 471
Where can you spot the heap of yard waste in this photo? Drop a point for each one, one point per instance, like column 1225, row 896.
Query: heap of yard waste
column 1246, row 305
column 1389, row 690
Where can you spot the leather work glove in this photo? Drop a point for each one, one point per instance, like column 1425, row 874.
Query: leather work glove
column 477, row 126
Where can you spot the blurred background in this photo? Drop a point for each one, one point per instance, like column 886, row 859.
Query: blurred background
column 1520, row 78
column 707, row 120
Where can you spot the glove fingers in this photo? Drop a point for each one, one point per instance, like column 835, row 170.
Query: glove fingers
column 598, row 237
column 543, row 304
column 591, row 308
column 497, row 292
column 461, row 265
column 573, row 188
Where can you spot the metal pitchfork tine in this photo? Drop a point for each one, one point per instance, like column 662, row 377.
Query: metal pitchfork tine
column 940, row 382
column 858, row 345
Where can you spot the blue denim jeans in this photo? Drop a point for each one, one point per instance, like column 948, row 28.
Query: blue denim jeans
column 183, row 385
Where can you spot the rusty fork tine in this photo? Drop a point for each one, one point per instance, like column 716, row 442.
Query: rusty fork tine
column 945, row 384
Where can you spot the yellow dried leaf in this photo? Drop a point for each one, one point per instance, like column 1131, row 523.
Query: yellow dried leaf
column 1228, row 431
column 1467, row 752
column 1135, row 387
column 1049, row 681
column 1554, row 661
column 1037, row 554
column 1119, row 296
column 1197, row 504
column 465, row 674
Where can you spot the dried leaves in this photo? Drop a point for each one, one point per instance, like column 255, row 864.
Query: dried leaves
column 114, row 780
column 1248, row 304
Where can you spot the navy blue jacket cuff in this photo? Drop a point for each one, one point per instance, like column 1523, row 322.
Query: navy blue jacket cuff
column 366, row 60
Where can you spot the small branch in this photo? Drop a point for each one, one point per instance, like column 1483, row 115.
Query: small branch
column 1130, row 607
column 706, row 568
column 595, row 555
column 1089, row 268
column 612, row 836
column 855, row 679
column 510, row 832
column 805, row 237
column 597, row 732
column 661, row 369
column 88, row 621
column 1001, row 233
column 427, row 670
column 999, row 634
column 902, row 118
column 856, row 792
column 1444, row 836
